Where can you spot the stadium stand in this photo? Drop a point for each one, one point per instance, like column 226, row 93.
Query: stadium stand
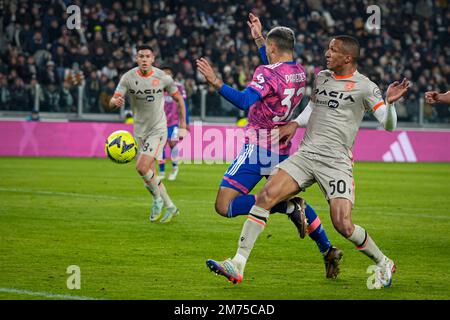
column 44, row 63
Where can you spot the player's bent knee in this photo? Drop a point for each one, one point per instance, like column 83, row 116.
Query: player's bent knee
column 221, row 208
column 144, row 165
column 342, row 225
column 345, row 229
column 142, row 169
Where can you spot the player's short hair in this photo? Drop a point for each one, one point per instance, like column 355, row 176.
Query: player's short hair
column 350, row 45
column 143, row 47
column 283, row 37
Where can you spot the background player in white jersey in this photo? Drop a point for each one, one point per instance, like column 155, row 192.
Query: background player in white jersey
column 173, row 119
column 145, row 86
column 341, row 97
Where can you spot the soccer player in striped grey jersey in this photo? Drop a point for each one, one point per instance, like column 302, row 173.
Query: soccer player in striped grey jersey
column 145, row 86
column 341, row 97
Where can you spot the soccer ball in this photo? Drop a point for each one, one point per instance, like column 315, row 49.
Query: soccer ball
column 120, row 146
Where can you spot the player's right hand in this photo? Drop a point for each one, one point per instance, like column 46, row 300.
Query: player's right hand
column 119, row 102
column 208, row 72
column 432, row 97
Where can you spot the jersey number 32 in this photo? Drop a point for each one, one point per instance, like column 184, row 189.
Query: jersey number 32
column 287, row 101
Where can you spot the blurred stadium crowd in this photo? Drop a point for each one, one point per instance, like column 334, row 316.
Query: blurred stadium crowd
column 36, row 47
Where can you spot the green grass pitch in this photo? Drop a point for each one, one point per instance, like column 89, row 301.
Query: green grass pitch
column 94, row 214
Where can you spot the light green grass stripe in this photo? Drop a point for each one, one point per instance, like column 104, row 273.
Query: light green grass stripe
column 106, row 197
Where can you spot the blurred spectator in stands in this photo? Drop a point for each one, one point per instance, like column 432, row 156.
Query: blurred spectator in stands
column 62, row 60
column 5, row 94
column 24, row 69
column 49, row 75
column 82, row 55
column 51, row 101
column 92, row 89
column 20, row 96
column 99, row 59
column 66, row 100
column 36, row 43
column 213, row 102
column 110, row 70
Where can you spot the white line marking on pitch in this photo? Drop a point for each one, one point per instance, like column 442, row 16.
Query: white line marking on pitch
column 45, row 294
column 82, row 195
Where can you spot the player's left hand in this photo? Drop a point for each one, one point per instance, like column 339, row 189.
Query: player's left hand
column 396, row 90
column 255, row 26
column 182, row 132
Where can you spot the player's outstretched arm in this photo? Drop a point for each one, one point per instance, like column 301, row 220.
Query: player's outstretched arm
column 241, row 99
column 433, row 97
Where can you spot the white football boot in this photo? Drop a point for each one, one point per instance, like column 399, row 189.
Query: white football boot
column 170, row 213
column 384, row 272
column 156, row 210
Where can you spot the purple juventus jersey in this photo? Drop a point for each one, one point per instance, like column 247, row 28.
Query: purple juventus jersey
column 170, row 105
column 281, row 86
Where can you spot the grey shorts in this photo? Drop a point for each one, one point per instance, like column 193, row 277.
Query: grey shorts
column 333, row 175
column 152, row 146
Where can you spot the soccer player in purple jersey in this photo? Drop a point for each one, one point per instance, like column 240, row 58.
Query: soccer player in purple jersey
column 171, row 110
column 275, row 91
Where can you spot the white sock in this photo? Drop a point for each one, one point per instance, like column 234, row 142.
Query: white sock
column 151, row 184
column 240, row 261
column 253, row 226
column 174, row 155
column 163, row 191
column 366, row 245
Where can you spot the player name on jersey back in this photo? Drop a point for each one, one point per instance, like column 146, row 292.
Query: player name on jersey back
column 296, row 77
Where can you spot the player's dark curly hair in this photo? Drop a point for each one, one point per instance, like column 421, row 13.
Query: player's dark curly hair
column 283, row 37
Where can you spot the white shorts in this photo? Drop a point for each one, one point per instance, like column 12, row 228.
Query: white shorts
column 152, row 146
column 333, row 175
